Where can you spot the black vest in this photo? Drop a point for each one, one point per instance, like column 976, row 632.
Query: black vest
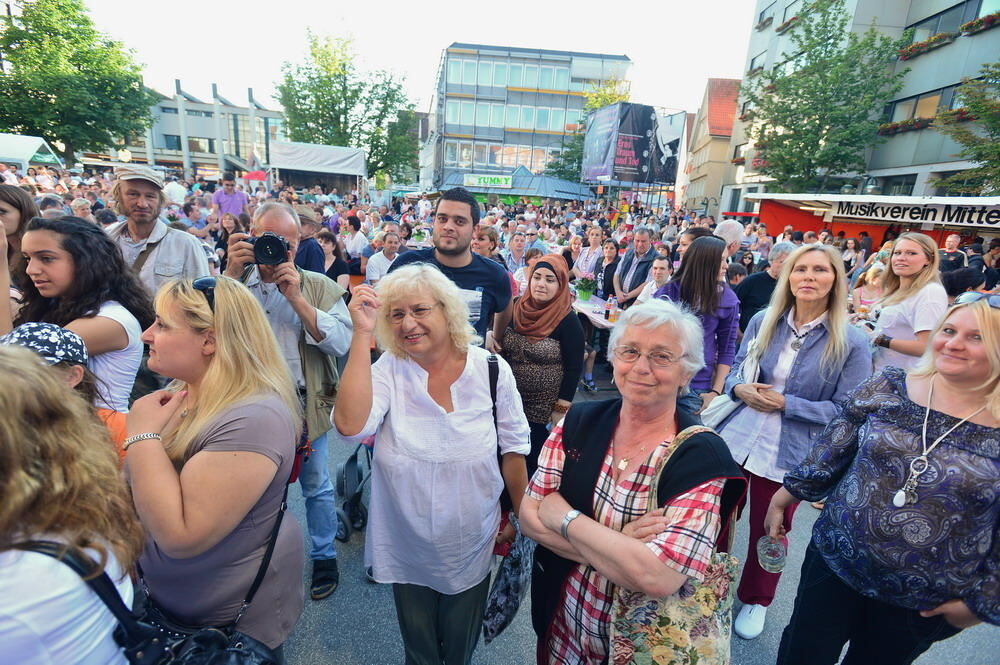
column 587, row 434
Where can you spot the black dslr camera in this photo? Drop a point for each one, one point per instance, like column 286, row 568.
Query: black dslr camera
column 269, row 249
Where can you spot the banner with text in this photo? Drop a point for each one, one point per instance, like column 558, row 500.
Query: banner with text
column 951, row 215
column 488, row 181
column 632, row 143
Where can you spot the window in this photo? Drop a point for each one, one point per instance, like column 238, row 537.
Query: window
column 523, row 156
column 791, row 9
column 482, row 114
column 171, row 141
column 168, row 110
column 546, row 78
column 198, row 144
column 757, row 62
column 577, row 85
column 527, row 117
column 465, row 155
column 768, row 12
column 562, row 79
column 899, row 185
column 946, row 190
column 950, row 19
column 745, row 108
column 453, row 110
column 531, row 76
column 485, row 73
column 538, row 159
column 500, row 74
column 496, row 116
column 740, row 151
column 450, row 153
column 468, row 113
column 469, row 72
column 494, row 156
column 926, row 105
column 479, row 154
column 200, row 114
column 558, row 120
column 513, row 116
column 514, row 78
column 454, row 70
column 541, row 118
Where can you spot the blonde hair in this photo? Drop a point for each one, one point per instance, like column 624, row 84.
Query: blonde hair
column 782, row 300
column 868, row 277
column 116, row 197
column 892, row 291
column 988, row 320
column 426, row 280
column 59, row 473
column 247, row 360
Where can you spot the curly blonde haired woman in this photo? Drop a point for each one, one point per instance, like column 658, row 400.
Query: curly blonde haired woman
column 208, row 461
column 59, row 481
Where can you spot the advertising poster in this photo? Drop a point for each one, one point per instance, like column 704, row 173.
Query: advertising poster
column 632, row 143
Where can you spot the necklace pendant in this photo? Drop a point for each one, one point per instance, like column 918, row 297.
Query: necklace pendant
column 796, row 344
column 900, row 498
column 623, row 464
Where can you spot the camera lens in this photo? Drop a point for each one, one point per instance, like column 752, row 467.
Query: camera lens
column 270, row 250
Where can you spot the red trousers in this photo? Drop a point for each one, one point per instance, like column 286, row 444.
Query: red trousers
column 757, row 586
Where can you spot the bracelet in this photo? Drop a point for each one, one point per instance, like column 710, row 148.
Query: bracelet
column 564, row 527
column 883, row 341
column 139, row 437
column 713, row 390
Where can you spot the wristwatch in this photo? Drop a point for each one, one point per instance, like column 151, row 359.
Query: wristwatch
column 883, row 341
column 564, row 527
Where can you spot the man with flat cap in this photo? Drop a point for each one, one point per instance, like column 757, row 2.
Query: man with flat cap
column 156, row 252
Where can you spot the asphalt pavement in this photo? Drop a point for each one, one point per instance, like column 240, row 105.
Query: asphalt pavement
column 357, row 624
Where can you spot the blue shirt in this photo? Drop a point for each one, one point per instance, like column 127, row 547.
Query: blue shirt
column 484, row 284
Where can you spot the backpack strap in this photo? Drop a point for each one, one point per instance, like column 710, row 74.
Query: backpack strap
column 494, row 369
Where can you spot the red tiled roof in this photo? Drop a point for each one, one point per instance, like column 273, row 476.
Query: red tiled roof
column 722, row 95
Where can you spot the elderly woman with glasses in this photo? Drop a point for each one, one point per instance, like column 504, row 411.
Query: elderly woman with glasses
column 589, row 505
column 436, row 482
column 906, row 551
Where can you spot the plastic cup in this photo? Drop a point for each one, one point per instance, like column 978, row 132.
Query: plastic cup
column 771, row 554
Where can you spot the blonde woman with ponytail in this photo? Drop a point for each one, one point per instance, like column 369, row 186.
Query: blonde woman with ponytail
column 913, row 302
column 810, row 359
column 208, row 460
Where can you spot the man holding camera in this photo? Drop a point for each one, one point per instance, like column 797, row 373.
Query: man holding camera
column 307, row 313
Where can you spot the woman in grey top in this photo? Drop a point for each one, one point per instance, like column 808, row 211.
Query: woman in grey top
column 209, row 459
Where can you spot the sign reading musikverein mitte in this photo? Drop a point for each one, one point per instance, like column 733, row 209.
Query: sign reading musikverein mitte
column 488, row 181
column 958, row 215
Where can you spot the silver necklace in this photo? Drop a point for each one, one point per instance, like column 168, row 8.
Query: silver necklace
column 907, row 494
column 797, row 342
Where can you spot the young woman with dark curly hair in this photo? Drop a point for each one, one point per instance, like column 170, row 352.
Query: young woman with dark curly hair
column 74, row 276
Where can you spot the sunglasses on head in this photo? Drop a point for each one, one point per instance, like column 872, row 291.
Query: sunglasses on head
column 992, row 299
column 207, row 286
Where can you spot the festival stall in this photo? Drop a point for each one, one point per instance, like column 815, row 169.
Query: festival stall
column 304, row 165
column 27, row 151
column 936, row 216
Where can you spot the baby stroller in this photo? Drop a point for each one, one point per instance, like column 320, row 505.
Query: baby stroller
column 352, row 476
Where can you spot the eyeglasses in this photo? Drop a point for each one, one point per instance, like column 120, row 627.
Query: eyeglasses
column 530, row 235
column 418, row 312
column 207, row 286
column 992, row 299
column 659, row 358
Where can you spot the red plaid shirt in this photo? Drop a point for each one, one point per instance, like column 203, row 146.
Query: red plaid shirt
column 579, row 630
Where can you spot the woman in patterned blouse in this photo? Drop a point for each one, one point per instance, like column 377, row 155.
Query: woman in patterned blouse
column 587, row 504
column 906, row 552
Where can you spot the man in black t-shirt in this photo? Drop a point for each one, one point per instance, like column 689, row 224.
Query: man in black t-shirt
column 952, row 258
column 755, row 291
column 484, row 283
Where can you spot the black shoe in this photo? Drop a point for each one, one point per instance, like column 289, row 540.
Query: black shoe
column 589, row 385
column 325, row 578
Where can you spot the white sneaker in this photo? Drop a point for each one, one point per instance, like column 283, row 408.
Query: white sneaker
column 750, row 622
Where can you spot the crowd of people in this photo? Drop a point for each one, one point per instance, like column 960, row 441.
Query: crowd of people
column 177, row 354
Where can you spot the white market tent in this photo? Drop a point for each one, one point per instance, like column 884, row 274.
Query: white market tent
column 27, row 150
column 318, row 158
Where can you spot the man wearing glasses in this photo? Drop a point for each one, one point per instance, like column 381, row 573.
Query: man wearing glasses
column 311, row 323
column 534, row 241
column 229, row 199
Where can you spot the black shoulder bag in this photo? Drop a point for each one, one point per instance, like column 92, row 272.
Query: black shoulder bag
column 154, row 639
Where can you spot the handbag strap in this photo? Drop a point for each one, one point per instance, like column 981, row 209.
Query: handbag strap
column 266, row 561
column 494, row 369
column 680, row 438
column 101, row 584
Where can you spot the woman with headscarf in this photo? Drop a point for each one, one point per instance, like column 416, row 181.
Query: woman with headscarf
column 544, row 347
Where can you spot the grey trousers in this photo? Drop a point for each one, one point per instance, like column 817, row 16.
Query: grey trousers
column 437, row 628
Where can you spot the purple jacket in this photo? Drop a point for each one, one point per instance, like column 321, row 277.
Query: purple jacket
column 720, row 330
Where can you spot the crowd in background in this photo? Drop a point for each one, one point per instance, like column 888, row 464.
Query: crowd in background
column 193, row 348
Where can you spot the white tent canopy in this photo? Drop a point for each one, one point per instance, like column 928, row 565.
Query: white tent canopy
column 318, row 158
column 26, row 150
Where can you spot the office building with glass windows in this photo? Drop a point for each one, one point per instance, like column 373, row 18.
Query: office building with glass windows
column 952, row 40
column 496, row 108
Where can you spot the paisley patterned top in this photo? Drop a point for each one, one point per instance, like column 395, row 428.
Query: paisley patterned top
column 947, row 544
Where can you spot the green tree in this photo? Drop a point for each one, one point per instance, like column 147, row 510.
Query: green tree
column 570, row 161
column 327, row 100
column 67, row 82
column 815, row 114
column 979, row 100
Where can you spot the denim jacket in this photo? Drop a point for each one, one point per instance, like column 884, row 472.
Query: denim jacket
column 813, row 397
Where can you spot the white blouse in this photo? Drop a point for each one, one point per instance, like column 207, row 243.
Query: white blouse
column 436, row 483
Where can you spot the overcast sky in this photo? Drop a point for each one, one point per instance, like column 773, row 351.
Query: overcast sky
column 675, row 45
